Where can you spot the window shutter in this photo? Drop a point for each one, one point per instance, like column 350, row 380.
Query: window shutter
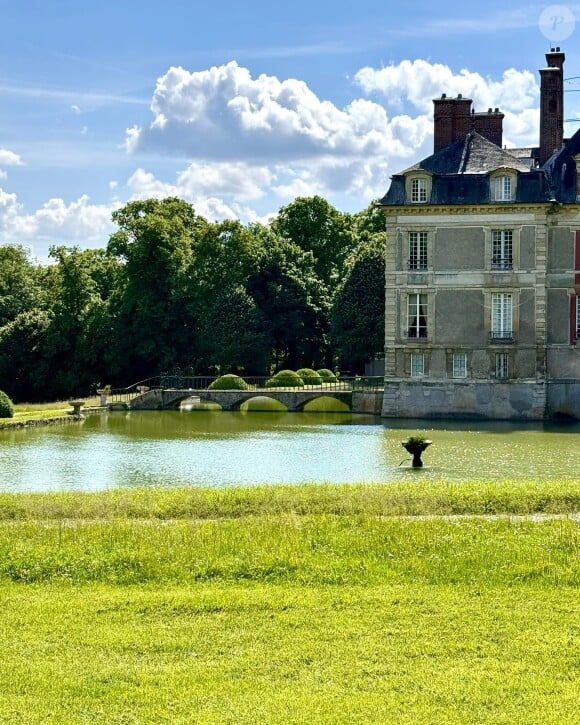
column 573, row 313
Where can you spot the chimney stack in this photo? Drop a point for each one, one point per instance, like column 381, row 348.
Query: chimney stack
column 552, row 104
column 490, row 125
column 452, row 120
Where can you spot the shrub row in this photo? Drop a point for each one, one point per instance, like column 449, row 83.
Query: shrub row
column 282, row 379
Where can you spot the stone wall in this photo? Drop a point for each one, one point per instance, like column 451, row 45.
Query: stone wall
column 472, row 399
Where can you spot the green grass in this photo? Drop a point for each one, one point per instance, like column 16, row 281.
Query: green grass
column 422, row 498
column 215, row 653
column 308, row 604
column 39, row 411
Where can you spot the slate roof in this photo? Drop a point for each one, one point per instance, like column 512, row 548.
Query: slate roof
column 470, row 154
column 461, row 174
column 560, row 170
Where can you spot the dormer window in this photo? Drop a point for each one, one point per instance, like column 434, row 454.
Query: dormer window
column 503, row 187
column 418, row 190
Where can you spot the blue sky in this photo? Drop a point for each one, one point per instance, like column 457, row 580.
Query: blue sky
column 239, row 107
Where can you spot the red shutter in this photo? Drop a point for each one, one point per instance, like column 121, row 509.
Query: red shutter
column 577, row 258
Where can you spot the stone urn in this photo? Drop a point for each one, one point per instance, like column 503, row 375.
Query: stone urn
column 76, row 405
column 415, row 445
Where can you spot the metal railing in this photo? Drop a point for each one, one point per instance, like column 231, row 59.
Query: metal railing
column 198, row 383
column 502, row 336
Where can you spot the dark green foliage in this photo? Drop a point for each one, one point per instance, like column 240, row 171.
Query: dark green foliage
column 358, row 311
column 317, row 227
column 20, row 283
column 6, row 407
column 25, row 356
column 285, row 379
column 174, row 289
column 309, row 376
column 229, row 382
column 327, row 375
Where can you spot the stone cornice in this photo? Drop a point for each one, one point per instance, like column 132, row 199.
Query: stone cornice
column 465, row 210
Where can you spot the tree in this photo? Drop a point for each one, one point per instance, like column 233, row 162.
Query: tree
column 19, row 283
column 316, row 226
column 358, row 310
column 24, row 359
column 293, row 302
column 154, row 242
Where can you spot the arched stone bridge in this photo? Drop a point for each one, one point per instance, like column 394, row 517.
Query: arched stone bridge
column 294, row 400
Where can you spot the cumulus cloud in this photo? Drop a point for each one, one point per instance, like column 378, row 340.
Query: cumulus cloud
column 224, row 113
column 9, row 158
column 418, row 82
column 55, row 222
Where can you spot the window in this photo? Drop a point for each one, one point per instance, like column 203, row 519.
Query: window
column 503, row 188
column 578, row 317
column 459, row 365
column 417, row 250
column 501, row 365
column 417, row 364
column 417, row 315
column 418, row 190
column 501, row 316
column 501, row 255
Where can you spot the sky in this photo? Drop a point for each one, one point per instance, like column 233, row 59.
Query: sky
column 240, row 107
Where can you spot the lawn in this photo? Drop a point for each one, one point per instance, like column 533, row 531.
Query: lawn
column 312, row 604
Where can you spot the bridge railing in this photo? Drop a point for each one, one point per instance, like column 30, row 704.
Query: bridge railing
column 254, row 382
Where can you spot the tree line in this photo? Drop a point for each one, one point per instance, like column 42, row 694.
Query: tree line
column 172, row 288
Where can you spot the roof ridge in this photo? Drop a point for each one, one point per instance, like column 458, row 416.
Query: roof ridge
column 466, row 149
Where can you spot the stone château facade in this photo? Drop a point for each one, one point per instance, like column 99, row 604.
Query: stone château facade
column 483, row 269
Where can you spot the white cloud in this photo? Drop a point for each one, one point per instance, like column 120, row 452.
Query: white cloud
column 56, row 222
column 419, row 81
column 224, row 113
column 9, row 158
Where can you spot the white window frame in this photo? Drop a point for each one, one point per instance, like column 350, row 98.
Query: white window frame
column 459, row 365
column 417, row 311
column 418, row 190
column 502, row 322
column 503, row 188
column 417, row 365
column 502, row 368
column 418, row 251
column 502, row 249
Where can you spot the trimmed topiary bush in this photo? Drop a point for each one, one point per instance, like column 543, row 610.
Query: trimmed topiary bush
column 229, row 382
column 327, row 375
column 6, row 407
column 285, row 379
column 309, row 376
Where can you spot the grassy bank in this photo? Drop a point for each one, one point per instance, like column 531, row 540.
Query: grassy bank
column 310, row 604
column 393, row 499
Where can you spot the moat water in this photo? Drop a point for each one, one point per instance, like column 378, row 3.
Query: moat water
column 193, row 448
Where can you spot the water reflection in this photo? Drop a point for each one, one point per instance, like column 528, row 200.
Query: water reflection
column 226, row 449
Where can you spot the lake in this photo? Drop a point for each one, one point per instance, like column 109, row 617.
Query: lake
column 193, row 448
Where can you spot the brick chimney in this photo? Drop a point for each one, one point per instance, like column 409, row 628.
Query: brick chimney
column 452, row 120
column 552, row 104
column 490, row 125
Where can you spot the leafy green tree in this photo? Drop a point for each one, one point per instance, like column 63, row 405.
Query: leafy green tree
column 293, row 302
column 358, row 310
column 23, row 356
column 316, row 226
column 154, row 243
column 19, row 283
